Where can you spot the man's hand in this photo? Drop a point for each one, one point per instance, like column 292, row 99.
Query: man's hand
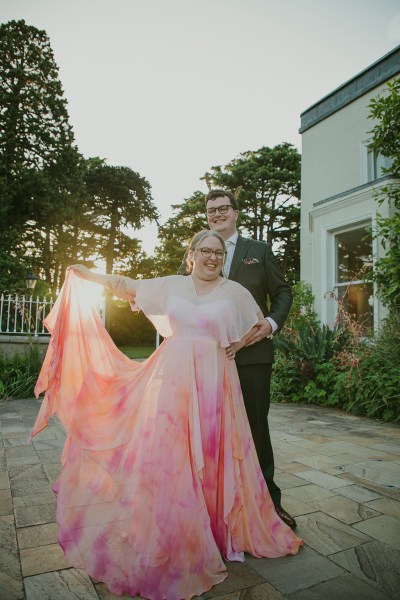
column 261, row 330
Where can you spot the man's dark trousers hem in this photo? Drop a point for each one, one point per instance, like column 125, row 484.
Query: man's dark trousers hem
column 255, row 382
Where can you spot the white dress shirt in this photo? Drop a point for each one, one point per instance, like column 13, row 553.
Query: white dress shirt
column 230, row 245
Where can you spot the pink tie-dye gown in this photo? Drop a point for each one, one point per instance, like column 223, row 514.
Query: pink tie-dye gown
column 160, row 479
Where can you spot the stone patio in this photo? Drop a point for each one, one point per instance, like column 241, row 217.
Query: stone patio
column 340, row 478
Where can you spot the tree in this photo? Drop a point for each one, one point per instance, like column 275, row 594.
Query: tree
column 177, row 232
column 267, row 183
column 37, row 157
column 119, row 198
column 386, row 141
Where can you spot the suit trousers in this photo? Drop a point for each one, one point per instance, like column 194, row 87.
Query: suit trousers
column 255, row 382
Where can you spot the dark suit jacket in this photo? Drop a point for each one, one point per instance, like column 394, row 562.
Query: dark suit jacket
column 254, row 266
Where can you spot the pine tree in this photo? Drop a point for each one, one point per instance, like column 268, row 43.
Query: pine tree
column 37, row 155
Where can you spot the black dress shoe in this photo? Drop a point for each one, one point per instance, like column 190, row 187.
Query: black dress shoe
column 286, row 518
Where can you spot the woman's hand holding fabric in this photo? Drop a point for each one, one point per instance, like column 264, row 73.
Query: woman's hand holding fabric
column 81, row 270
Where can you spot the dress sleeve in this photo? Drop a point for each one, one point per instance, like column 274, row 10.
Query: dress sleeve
column 151, row 298
column 241, row 317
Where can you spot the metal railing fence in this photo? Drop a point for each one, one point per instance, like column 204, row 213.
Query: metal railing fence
column 23, row 315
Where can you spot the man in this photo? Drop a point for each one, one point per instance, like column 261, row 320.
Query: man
column 252, row 264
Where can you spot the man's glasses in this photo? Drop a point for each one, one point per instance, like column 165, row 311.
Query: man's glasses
column 207, row 252
column 211, row 212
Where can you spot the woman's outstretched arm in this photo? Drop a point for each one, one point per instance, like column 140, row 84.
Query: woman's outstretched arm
column 119, row 285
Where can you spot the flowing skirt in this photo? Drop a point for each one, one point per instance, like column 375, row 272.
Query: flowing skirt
column 160, row 480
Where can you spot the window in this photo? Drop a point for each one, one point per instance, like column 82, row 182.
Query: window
column 372, row 164
column 353, row 261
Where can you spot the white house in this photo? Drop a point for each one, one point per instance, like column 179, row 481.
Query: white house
column 338, row 207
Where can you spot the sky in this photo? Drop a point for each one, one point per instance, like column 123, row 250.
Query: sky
column 171, row 88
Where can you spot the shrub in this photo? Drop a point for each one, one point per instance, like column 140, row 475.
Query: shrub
column 370, row 385
column 338, row 367
column 304, row 369
column 19, row 373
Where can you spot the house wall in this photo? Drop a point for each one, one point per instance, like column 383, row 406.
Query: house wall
column 336, row 195
column 333, row 153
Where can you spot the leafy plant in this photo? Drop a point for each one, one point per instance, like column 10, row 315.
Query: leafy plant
column 370, row 385
column 385, row 109
column 337, row 367
column 19, row 373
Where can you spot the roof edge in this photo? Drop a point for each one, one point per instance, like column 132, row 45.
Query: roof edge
column 375, row 74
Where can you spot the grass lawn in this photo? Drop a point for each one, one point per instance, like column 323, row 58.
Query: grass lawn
column 137, row 351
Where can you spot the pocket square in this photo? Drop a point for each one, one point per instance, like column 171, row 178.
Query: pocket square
column 250, row 261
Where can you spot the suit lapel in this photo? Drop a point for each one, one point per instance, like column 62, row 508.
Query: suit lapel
column 241, row 249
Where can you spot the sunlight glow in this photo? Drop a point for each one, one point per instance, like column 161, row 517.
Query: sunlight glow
column 92, row 295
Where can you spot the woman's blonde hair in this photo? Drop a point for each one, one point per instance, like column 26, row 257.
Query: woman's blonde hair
column 195, row 241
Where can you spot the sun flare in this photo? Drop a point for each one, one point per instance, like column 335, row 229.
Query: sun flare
column 92, row 295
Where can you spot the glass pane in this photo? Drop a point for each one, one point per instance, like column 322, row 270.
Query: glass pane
column 381, row 162
column 357, row 299
column 354, row 251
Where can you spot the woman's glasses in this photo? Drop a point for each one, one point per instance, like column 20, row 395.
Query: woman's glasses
column 211, row 212
column 207, row 252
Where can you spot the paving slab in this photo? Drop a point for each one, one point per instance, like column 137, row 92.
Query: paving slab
column 296, row 507
column 4, row 481
column 42, row 559
column 38, row 535
column 258, row 592
column 50, row 456
column 48, row 444
column 36, row 514
column 6, row 504
column 383, row 528
column 292, row 573
column 309, row 492
column 52, row 471
column 240, row 576
column 16, row 441
column 289, row 480
column 330, row 482
column 292, row 467
column 327, row 464
column 68, row 584
column 26, row 486
column 345, row 510
column 391, row 448
column 33, row 499
column 376, row 563
column 104, row 594
column 357, row 493
column 387, row 474
column 10, row 567
column 328, row 535
column 347, row 587
column 387, row 506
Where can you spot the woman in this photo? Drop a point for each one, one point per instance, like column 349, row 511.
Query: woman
column 160, row 478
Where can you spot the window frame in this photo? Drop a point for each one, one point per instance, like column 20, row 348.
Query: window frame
column 329, row 306
column 371, row 163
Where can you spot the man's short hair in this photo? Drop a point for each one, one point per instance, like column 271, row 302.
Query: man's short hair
column 214, row 194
